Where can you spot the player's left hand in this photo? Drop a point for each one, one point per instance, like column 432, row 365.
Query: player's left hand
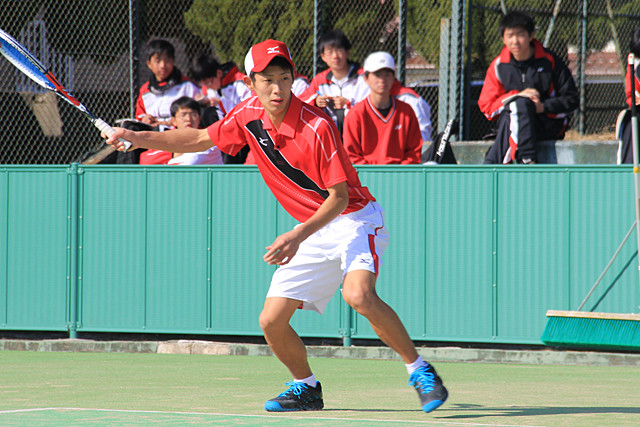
column 283, row 248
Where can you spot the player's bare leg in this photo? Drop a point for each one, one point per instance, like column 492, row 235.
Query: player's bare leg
column 358, row 290
column 283, row 340
column 290, row 350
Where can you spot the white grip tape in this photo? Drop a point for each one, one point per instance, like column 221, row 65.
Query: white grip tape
column 108, row 130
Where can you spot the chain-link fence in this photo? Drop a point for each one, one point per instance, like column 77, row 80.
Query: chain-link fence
column 97, row 49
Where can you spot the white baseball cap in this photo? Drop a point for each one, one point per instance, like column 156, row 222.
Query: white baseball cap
column 379, row 60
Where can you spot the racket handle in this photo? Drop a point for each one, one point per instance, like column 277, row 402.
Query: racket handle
column 108, row 130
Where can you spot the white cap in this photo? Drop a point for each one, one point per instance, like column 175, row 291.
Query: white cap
column 379, row 60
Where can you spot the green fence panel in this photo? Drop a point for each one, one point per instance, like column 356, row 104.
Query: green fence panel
column 35, row 248
column 243, row 222
column 602, row 211
column 114, row 232
column 459, row 300
column 4, row 235
column 401, row 193
column 177, row 255
column 532, row 264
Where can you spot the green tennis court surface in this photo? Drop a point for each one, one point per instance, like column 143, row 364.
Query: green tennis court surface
column 74, row 389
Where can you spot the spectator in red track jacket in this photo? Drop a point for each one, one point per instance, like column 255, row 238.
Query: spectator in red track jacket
column 528, row 90
column 623, row 127
column 339, row 87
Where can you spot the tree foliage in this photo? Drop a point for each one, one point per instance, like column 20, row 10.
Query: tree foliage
column 423, row 26
column 233, row 27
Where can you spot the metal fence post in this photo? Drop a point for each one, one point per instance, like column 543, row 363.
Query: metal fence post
column 456, row 63
column 346, row 330
column 134, row 53
column 402, row 40
column 581, row 65
column 465, row 96
column 317, row 32
column 443, row 88
column 73, row 246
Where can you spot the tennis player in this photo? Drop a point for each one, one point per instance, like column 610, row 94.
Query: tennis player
column 341, row 235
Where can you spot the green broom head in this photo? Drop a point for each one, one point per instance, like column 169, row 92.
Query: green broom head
column 592, row 330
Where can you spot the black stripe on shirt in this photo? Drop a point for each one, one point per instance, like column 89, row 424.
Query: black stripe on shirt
column 277, row 159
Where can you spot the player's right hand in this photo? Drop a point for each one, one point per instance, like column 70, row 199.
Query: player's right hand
column 116, row 139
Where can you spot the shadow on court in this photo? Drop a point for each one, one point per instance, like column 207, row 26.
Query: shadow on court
column 377, row 411
column 479, row 411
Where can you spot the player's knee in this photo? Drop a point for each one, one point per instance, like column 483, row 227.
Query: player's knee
column 525, row 104
column 267, row 321
column 359, row 298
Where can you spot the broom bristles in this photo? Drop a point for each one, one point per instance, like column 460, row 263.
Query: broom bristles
column 592, row 330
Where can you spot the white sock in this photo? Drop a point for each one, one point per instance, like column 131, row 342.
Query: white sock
column 419, row 363
column 310, row 381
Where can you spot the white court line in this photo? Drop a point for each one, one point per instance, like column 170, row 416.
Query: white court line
column 134, row 411
column 11, row 411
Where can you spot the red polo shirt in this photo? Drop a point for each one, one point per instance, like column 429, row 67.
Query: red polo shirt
column 299, row 161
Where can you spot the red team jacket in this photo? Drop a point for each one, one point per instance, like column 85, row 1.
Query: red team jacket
column 233, row 89
column 546, row 73
column 354, row 89
column 370, row 138
column 627, row 85
column 419, row 105
column 159, row 104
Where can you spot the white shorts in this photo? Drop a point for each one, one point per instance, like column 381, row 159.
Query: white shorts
column 354, row 241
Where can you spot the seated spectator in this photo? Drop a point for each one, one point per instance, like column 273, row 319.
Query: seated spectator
column 233, row 91
column 381, row 129
column 528, row 90
column 623, row 127
column 207, row 74
column 185, row 113
column 419, row 105
column 165, row 85
column 300, row 84
column 339, row 87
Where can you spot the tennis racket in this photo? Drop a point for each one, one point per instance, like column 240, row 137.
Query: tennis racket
column 36, row 71
column 450, row 128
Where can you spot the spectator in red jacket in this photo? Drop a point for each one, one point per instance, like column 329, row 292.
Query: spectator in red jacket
column 380, row 129
column 528, row 90
column 623, row 126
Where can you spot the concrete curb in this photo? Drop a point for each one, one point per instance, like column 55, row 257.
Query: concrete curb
column 561, row 152
column 435, row 354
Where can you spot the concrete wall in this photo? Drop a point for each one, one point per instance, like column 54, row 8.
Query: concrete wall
column 560, row 152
